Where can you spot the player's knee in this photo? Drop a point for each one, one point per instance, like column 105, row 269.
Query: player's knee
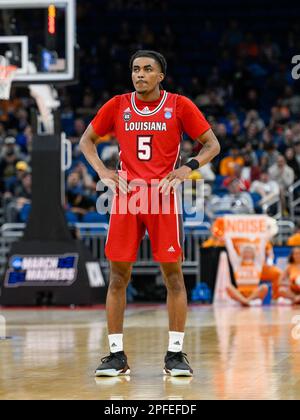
column 119, row 278
column 118, row 282
column 175, row 283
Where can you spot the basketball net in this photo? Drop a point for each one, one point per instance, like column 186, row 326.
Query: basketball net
column 7, row 73
column 47, row 101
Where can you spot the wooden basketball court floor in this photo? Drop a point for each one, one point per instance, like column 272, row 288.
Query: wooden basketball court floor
column 236, row 353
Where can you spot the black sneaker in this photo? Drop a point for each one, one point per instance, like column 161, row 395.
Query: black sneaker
column 177, row 364
column 113, row 365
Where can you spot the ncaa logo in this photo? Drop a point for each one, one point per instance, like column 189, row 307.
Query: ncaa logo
column 168, row 115
column 16, row 263
column 127, row 116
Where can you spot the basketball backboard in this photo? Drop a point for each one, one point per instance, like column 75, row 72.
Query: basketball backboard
column 39, row 37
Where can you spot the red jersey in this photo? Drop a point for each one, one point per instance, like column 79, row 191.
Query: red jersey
column 149, row 133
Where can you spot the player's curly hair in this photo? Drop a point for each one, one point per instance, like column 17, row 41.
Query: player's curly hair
column 159, row 58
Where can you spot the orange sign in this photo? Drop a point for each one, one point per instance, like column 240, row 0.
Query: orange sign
column 254, row 226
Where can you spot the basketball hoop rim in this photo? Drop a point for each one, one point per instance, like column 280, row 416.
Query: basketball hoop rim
column 7, row 73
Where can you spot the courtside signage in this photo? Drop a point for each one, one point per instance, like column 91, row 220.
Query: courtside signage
column 45, row 270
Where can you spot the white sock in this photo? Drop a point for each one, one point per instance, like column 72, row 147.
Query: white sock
column 115, row 342
column 175, row 341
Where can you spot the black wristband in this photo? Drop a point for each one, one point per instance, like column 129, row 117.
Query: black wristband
column 193, row 164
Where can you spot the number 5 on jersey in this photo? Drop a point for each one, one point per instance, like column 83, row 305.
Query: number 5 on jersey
column 144, row 147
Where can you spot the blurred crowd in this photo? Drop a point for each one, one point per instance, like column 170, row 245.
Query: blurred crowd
column 237, row 71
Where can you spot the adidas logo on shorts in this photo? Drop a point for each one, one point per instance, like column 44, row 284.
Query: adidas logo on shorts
column 171, row 249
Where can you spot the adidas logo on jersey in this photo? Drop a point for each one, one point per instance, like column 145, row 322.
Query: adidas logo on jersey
column 127, row 110
column 146, row 110
column 171, row 249
column 177, row 343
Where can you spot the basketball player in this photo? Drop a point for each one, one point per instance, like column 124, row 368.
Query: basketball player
column 148, row 124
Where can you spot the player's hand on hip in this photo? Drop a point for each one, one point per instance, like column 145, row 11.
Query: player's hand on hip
column 174, row 179
column 113, row 180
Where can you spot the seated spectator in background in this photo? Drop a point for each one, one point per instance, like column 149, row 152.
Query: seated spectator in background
column 17, row 188
column 3, row 133
column 23, row 192
column 247, row 269
column 244, row 184
column 235, row 202
column 291, row 100
column 294, row 240
column 266, row 188
column 253, row 117
column 288, row 137
column 271, row 153
column 252, row 100
column 290, row 280
column 227, row 164
column 296, row 147
column 79, row 129
column 264, row 163
column 250, row 171
column 111, row 150
column 22, row 118
column 252, row 136
column 192, row 189
column 292, row 162
column 280, row 114
column 10, row 146
column 14, row 183
column 78, row 200
column 221, row 133
column 86, row 180
column 284, row 176
column 210, row 102
column 9, row 107
column 282, row 171
column 23, row 195
column 9, row 157
column 248, row 150
column 87, row 108
column 269, row 49
column 207, row 173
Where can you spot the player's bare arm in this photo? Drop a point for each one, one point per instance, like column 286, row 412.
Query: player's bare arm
column 211, row 148
column 109, row 177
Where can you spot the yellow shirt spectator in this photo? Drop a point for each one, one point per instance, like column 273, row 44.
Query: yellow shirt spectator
column 227, row 166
